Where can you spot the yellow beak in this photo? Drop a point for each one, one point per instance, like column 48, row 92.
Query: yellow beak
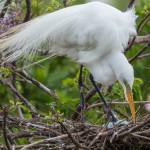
column 129, row 96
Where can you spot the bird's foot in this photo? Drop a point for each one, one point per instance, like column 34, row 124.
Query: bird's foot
column 117, row 123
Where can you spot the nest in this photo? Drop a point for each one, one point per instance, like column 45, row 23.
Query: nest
column 58, row 133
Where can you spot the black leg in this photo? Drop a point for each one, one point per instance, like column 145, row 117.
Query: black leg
column 114, row 119
column 82, row 101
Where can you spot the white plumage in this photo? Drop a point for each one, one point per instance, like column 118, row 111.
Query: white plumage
column 94, row 34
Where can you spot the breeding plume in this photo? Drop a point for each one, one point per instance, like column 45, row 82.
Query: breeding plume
column 94, row 34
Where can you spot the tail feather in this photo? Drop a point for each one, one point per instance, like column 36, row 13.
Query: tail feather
column 25, row 39
column 61, row 31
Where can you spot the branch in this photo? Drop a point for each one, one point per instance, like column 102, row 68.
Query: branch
column 142, row 137
column 101, row 134
column 115, row 103
column 141, row 39
column 5, row 112
column 39, row 85
column 140, row 52
column 131, row 3
column 30, row 134
column 143, row 22
column 15, row 96
column 65, row 3
column 25, row 101
column 121, row 135
column 143, row 56
column 40, row 146
column 77, row 110
column 76, row 142
column 28, row 11
column 53, row 139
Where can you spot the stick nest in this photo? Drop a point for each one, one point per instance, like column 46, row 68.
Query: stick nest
column 60, row 133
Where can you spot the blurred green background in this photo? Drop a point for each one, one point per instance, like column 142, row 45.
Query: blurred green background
column 61, row 74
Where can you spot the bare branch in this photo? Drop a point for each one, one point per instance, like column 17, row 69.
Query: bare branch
column 28, row 11
column 5, row 112
column 141, row 39
column 53, row 139
column 38, row 84
column 140, row 52
column 141, row 137
column 143, row 22
column 15, row 96
column 77, row 111
column 131, row 3
column 121, row 135
column 76, row 142
column 101, row 134
column 143, row 56
column 116, row 103
column 25, row 101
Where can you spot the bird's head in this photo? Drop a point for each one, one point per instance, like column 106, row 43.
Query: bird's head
column 129, row 98
column 126, row 80
column 125, row 75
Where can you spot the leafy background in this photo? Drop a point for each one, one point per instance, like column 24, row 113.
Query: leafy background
column 61, row 74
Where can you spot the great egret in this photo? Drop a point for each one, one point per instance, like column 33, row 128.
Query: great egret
column 94, row 34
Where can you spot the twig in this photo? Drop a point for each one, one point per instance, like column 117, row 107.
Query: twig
column 11, row 141
column 15, row 96
column 5, row 112
column 143, row 56
column 65, row 3
column 73, row 139
column 139, row 136
column 140, row 52
column 121, row 135
column 120, row 113
column 143, row 22
column 53, row 139
column 39, row 85
column 49, row 146
column 75, row 142
column 116, row 103
column 131, row 3
column 141, row 39
column 77, row 111
column 31, row 134
column 104, row 143
column 27, row 123
column 2, row 146
column 25, row 101
column 28, row 11
column 143, row 132
column 4, row 10
column 101, row 134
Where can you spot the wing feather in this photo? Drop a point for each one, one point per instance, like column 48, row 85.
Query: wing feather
column 82, row 31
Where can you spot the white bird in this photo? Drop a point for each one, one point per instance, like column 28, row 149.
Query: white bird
column 94, row 34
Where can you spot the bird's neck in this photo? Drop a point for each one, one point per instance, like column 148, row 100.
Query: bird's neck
column 122, row 69
column 111, row 67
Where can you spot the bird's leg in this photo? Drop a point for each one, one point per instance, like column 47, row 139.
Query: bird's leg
column 114, row 119
column 82, row 101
